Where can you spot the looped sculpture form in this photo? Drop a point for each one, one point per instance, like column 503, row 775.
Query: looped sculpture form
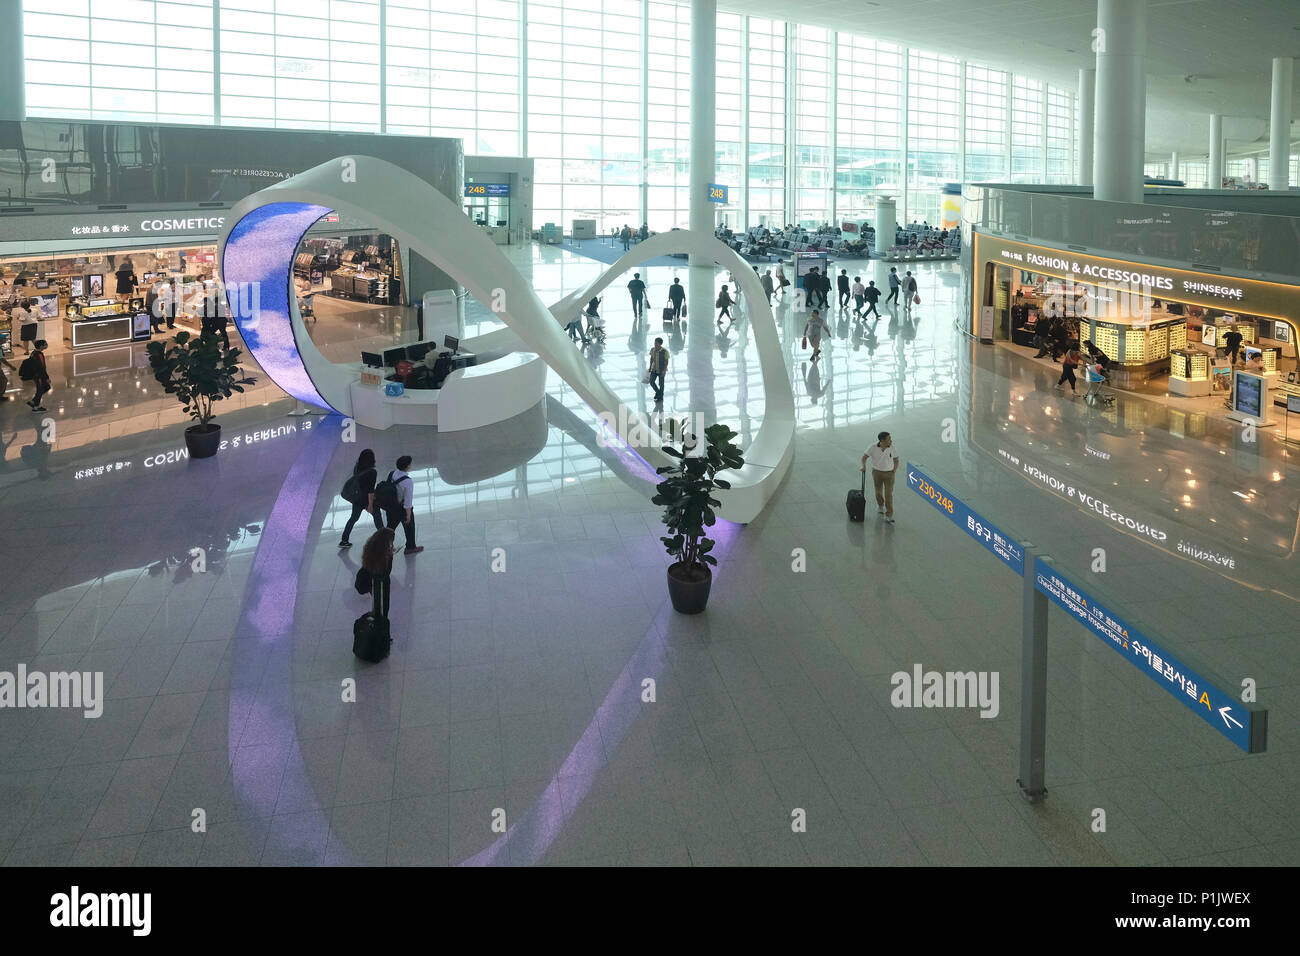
column 262, row 236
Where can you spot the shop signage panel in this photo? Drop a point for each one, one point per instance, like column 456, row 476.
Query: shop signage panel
column 1252, row 296
column 990, row 536
column 139, row 226
column 1247, row 728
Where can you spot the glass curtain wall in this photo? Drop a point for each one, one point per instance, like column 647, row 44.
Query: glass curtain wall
column 453, row 70
column 669, row 117
column 1060, row 136
column 584, row 111
column 868, row 125
column 932, row 132
column 988, row 135
column 127, row 60
column 812, row 124
column 1027, row 144
column 766, row 118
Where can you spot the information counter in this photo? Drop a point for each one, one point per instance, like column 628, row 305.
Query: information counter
column 470, row 397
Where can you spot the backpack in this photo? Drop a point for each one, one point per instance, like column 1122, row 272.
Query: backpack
column 352, row 488
column 30, row 369
column 386, row 495
column 363, row 581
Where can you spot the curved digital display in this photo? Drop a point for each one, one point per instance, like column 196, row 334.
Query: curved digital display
column 259, row 255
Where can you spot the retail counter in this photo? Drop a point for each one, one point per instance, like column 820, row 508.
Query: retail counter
column 105, row 325
column 1139, row 346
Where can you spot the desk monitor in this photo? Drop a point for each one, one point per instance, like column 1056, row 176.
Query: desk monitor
column 372, row 359
column 393, row 356
column 451, row 343
column 418, row 351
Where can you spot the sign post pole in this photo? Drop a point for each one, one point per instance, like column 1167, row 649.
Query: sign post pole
column 1033, row 683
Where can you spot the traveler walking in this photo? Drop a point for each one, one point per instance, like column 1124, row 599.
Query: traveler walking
column 909, row 290
column 33, row 369
column 859, row 296
column 657, row 366
column 636, row 289
column 842, row 282
column 872, row 295
column 359, row 491
column 377, row 559
column 781, row 280
column 883, row 457
column 1232, row 344
column 767, row 285
column 724, row 304
column 395, row 495
column 893, row 285
column 626, row 236
column 812, row 333
column 676, row 297
column 1069, row 362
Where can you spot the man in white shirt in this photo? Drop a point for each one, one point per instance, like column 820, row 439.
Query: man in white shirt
column 403, row 514
column 884, row 465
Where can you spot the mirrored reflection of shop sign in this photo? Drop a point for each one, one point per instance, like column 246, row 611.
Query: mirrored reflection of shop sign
column 246, row 438
column 1124, row 517
column 993, row 539
column 1244, row 725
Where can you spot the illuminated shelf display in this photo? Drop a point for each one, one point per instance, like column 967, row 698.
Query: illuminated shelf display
column 1189, row 366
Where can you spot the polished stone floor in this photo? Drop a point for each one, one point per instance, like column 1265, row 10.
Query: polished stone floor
column 516, row 696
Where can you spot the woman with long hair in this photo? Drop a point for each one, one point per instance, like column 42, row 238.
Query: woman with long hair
column 366, row 475
column 377, row 558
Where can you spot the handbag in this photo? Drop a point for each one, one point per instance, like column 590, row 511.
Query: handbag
column 916, row 300
column 805, row 341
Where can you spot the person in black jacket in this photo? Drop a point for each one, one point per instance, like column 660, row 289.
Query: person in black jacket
column 41, row 375
column 377, row 558
column 843, row 282
column 676, row 297
column 636, row 289
column 366, row 474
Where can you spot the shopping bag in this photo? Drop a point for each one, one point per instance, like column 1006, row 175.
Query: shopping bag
column 645, row 379
column 916, row 300
column 805, row 341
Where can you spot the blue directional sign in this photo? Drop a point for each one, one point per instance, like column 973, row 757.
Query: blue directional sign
column 717, row 192
column 974, row 524
column 1247, row 728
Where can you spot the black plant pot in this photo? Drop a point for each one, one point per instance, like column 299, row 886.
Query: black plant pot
column 688, row 587
column 203, row 440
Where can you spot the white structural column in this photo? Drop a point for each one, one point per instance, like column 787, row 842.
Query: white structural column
column 704, row 20
column 1173, row 165
column 1214, row 173
column 886, row 224
column 1279, row 123
column 1120, row 125
column 1087, row 112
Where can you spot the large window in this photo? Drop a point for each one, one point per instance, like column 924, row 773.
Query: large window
column 987, row 133
column 453, row 70
column 932, row 124
column 669, row 117
column 767, row 90
column 817, row 128
column 868, row 125
column 584, row 110
column 1060, row 136
column 812, row 124
column 136, row 60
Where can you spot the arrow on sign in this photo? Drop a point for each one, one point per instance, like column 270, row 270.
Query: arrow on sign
column 1223, row 712
column 911, row 477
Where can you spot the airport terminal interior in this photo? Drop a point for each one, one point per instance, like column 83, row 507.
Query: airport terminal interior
column 1007, row 576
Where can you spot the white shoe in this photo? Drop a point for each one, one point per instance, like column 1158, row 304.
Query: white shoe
column 880, row 511
column 889, row 518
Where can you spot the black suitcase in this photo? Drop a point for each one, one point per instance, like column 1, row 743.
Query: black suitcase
column 370, row 638
column 668, row 317
column 857, row 501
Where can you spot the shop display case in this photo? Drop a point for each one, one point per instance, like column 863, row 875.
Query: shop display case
column 1141, row 346
column 1189, row 372
column 106, row 324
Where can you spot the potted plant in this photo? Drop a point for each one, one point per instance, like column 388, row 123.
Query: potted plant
column 686, row 494
column 198, row 372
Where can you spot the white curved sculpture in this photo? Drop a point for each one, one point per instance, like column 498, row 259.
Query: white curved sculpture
column 262, row 235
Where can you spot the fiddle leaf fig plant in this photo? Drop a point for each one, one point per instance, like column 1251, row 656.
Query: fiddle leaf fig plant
column 199, row 372
column 686, row 494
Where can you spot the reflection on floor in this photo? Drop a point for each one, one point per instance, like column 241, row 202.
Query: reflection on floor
column 526, row 630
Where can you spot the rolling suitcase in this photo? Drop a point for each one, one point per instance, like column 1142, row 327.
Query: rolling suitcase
column 668, row 317
column 857, row 501
column 370, row 638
